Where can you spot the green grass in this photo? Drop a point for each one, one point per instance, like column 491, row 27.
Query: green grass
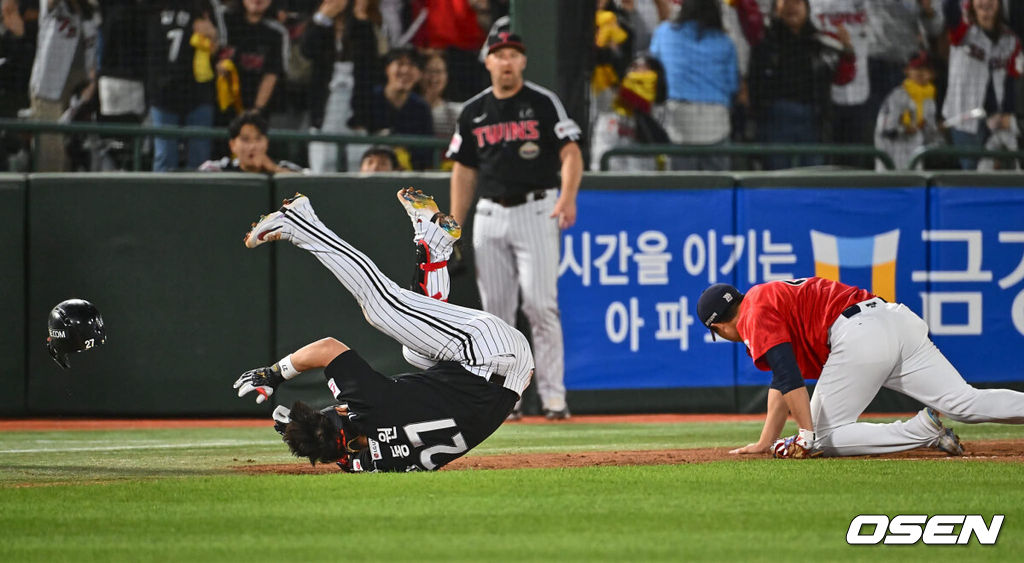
column 172, row 495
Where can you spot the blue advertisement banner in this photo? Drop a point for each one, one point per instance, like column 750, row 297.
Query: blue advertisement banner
column 636, row 262
column 631, row 270
column 973, row 294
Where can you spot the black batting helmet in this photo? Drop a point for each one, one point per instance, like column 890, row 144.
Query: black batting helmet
column 74, row 325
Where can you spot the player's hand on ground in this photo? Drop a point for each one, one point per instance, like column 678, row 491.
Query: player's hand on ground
column 755, row 448
column 261, row 380
column 565, row 211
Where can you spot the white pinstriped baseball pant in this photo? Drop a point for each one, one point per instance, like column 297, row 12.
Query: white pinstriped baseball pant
column 517, row 252
column 430, row 330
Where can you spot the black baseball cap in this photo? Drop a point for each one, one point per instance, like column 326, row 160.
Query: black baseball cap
column 714, row 302
column 504, row 39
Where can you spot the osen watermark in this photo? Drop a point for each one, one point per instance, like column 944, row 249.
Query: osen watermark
column 908, row 529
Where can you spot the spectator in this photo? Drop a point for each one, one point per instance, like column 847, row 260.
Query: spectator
column 984, row 64
column 344, row 42
column 181, row 38
column 613, row 52
column 248, row 142
column 701, row 68
column 791, row 74
column 396, row 109
column 379, row 158
column 17, row 48
column 435, row 79
column 452, row 27
column 65, row 59
column 122, row 62
column 897, row 28
column 907, row 120
column 643, row 17
column 632, row 120
column 258, row 50
column 743, row 23
column 852, row 117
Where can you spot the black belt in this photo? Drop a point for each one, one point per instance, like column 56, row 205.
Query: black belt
column 855, row 309
column 851, row 311
column 518, row 199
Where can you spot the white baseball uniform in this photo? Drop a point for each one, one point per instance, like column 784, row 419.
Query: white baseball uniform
column 978, row 65
column 429, row 329
column 828, row 16
column 855, row 343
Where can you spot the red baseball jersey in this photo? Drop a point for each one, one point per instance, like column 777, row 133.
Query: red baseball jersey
column 796, row 311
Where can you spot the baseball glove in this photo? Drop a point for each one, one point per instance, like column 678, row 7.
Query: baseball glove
column 799, row 446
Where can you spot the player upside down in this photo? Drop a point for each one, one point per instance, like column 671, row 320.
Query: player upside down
column 474, row 366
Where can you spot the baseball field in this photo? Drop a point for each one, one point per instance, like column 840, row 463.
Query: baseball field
column 593, row 488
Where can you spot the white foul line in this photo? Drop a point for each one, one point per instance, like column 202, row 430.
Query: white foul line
column 212, row 444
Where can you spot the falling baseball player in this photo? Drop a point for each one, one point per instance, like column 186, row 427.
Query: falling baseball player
column 474, row 366
column 853, row 343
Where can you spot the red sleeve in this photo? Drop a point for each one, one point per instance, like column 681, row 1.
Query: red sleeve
column 1013, row 66
column 846, row 70
column 956, row 23
column 751, row 20
column 762, row 329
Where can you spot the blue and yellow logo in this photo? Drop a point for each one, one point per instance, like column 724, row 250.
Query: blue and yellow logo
column 833, row 255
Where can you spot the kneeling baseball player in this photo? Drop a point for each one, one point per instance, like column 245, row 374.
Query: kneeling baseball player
column 474, row 366
column 853, row 343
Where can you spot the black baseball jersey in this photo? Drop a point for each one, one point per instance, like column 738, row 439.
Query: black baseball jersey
column 172, row 85
column 513, row 143
column 417, row 421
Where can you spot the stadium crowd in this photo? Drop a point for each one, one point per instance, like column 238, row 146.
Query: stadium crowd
column 898, row 74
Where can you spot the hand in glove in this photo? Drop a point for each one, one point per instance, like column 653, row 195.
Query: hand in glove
column 262, row 380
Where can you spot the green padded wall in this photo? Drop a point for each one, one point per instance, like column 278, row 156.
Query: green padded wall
column 990, row 180
column 12, row 294
column 187, row 307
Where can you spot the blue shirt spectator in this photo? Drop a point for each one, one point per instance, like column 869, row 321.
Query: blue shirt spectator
column 700, row 65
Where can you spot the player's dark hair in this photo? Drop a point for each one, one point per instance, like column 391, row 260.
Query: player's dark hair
column 731, row 312
column 707, row 14
column 312, row 435
column 248, row 118
column 382, row 150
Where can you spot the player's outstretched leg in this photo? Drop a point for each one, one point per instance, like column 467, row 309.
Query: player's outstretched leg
column 435, row 236
column 431, row 328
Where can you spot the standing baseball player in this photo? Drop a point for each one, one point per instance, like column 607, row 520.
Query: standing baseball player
column 510, row 144
column 475, row 366
column 853, row 343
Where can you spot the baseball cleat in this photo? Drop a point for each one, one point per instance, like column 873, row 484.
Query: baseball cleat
column 514, row 416
column 274, row 226
column 948, row 442
column 562, row 414
column 419, row 206
column 449, row 224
